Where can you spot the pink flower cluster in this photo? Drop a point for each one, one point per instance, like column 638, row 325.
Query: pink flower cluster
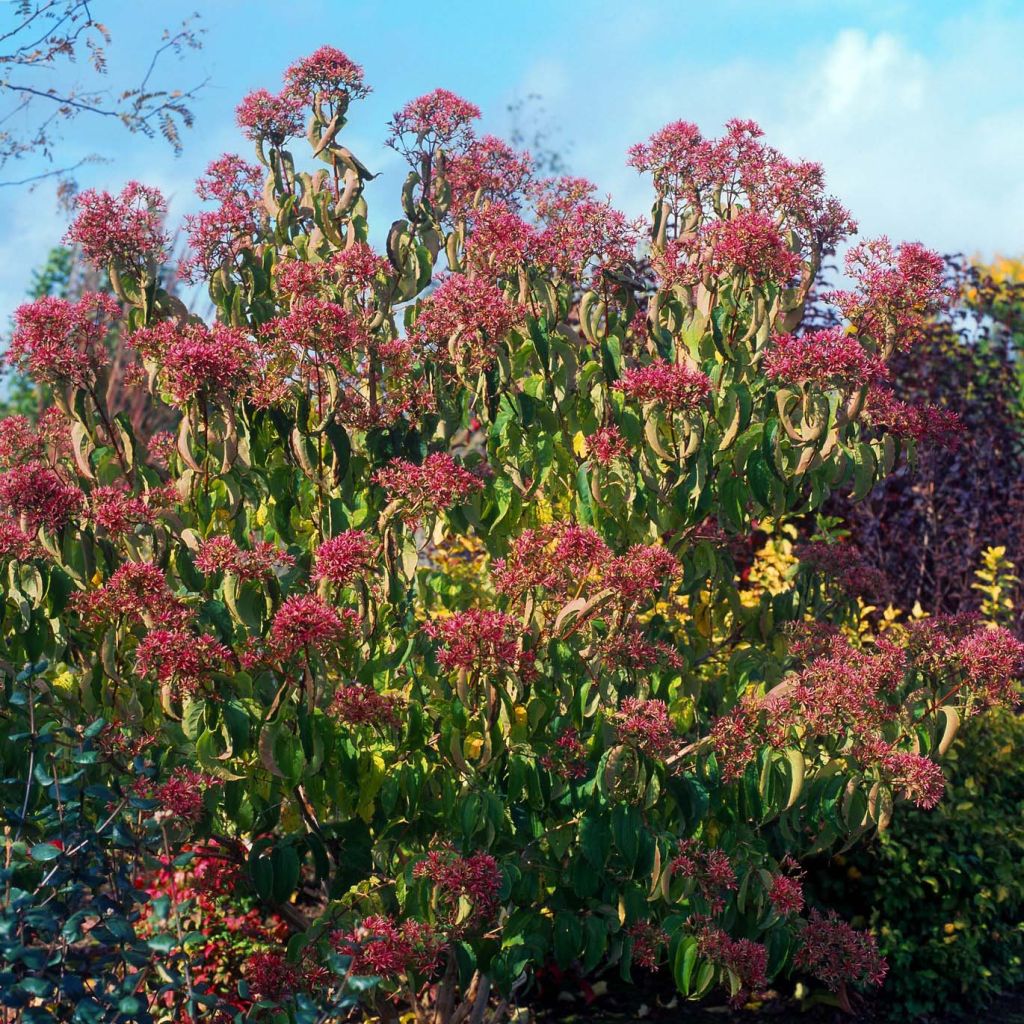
column 645, row 724
column 304, row 624
column 181, row 796
column 15, row 542
column 437, row 484
column 747, row 959
column 39, row 496
column 468, row 317
column 438, row 120
column 56, row 341
column 125, row 231
column 676, row 388
column 478, row 639
column 19, row 442
column 991, row 662
column 488, row 170
column 260, row 560
column 357, row 704
column 642, row 571
column 606, row 445
column 344, row 558
column 649, row 940
column 217, row 237
column 262, row 115
column 843, row 563
column 836, row 954
column 136, row 591
column 749, row 243
column 118, row 511
column 500, row 242
column 327, row 76
column 919, row 778
column 559, row 557
column 899, row 288
column 786, row 894
column 180, row 658
column 475, row 878
column 828, row 357
column 925, row 424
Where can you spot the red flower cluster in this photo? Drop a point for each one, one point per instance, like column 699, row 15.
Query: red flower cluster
column 15, row 542
column 19, row 442
column 568, row 756
column 343, row 559
column 435, row 485
column 606, row 445
column 363, row 705
column 645, row 724
column 499, row 242
column 918, row 777
column 786, row 894
column 834, row 953
column 676, row 388
column 272, row 977
column 488, row 170
column 992, row 663
column 747, row 959
column 181, row 796
column 136, row 591
column 259, row 561
column 475, row 878
column 381, row 946
column 60, row 342
column 118, row 511
column 843, row 563
column 478, row 639
column 828, row 357
column 649, row 940
column 125, row 231
column 709, row 868
column 749, row 243
column 642, row 571
column 925, row 424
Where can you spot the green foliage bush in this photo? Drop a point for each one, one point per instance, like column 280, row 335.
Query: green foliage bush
column 945, row 887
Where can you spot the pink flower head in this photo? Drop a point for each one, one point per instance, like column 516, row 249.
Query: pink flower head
column 992, row 663
column 925, row 424
column 606, row 445
column 272, row 977
column 137, row 591
column 649, row 940
column 786, row 895
column 181, row 796
column 490, row 170
column 217, row 237
column 557, row 557
column 262, row 115
column 898, row 289
column 709, row 869
column 478, row 639
column 357, row 704
column 14, row 541
column 678, row 158
column 642, row 571
column 919, row 778
column 118, row 511
column 746, row 959
column 56, row 341
column 580, row 230
column 676, row 388
column 260, row 560
column 567, row 757
column 843, row 563
column 327, row 75
column 305, row 623
column 124, row 230
column 19, row 442
column 499, row 242
column 345, row 558
column 827, row 357
column 834, row 953
column 39, row 496
column 645, row 725
column 475, row 878
column 750, row 243
column 438, row 120
column 437, row 484
column 466, row 316
column 181, row 658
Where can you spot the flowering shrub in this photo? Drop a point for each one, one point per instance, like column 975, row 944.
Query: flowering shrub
column 591, row 742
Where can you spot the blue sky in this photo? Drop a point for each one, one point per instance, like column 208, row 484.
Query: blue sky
column 916, row 109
